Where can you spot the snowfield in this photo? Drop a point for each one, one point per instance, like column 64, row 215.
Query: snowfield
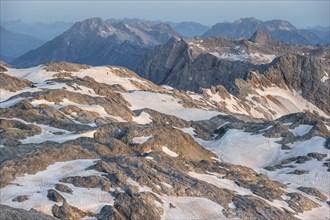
column 36, row 186
column 166, row 104
column 242, row 148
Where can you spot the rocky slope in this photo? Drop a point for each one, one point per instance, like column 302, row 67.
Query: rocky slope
column 250, row 73
column 81, row 142
column 281, row 30
column 97, row 42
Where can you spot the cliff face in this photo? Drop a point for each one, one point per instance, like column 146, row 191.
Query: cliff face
column 195, row 64
column 308, row 75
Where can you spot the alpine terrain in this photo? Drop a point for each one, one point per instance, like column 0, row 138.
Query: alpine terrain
column 82, row 142
column 125, row 119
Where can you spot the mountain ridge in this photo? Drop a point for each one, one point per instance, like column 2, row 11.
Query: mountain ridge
column 95, row 42
column 281, row 30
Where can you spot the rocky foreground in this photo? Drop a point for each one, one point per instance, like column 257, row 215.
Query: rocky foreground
column 81, row 142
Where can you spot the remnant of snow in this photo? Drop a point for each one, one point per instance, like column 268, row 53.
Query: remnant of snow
column 287, row 101
column 235, row 57
column 35, row 74
column 143, row 118
column 325, row 77
column 216, row 180
column 141, row 140
column 241, row 148
column 301, row 130
column 166, row 104
column 317, row 213
column 190, row 131
column 141, row 188
column 49, row 133
column 259, row 58
column 221, row 183
column 35, row 186
column 169, row 152
column 167, row 185
column 318, row 176
column 103, row 74
column 11, row 102
column 190, row 208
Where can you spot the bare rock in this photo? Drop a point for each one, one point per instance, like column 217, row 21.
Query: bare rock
column 9, row 213
column 69, row 212
column 109, row 213
column 55, row 196
column 63, row 188
column 316, row 155
column 314, row 192
column 13, row 84
column 300, row 203
column 88, row 182
column 21, row 198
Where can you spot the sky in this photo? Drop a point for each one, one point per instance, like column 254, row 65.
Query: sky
column 301, row 13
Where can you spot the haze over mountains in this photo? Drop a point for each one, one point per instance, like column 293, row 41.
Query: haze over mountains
column 13, row 45
column 280, row 30
column 97, row 42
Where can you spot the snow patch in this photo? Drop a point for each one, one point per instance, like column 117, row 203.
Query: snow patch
column 191, row 208
column 166, row 104
column 169, row 152
column 301, row 130
column 142, row 119
column 141, row 140
column 36, row 186
column 242, row 148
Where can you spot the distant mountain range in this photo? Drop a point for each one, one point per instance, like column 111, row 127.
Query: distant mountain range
column 279, row 29
column 13, row 45
column 40, row 30
column 124, row 42
column 96, row 42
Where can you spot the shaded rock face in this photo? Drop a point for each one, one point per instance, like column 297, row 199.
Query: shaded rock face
column 55, row 196
column 63, row 188
column 294, row 71
column 108, row 212
column 120, row 44
column 182, row 64
column 68, row 212
column 21, row 198
column 300, row 203
column 313, row 191
column 136, row 206
column 7, row 212
column 253, row 206
column 14, row 130
column 13, row 84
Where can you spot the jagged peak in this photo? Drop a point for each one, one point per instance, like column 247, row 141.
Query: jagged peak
column 95, row 24
column 246, row 20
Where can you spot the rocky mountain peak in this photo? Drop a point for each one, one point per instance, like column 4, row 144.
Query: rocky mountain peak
column 91, row 25
column 262, row 37
column 247, row 20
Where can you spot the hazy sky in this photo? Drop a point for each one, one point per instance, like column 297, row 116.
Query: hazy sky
column 300, row 13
